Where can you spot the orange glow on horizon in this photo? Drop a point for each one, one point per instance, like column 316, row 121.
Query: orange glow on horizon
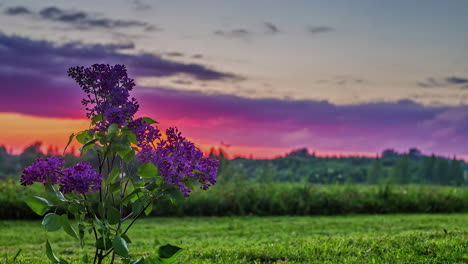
column 19, row 131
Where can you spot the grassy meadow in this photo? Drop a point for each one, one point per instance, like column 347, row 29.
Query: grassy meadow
column 396, row 238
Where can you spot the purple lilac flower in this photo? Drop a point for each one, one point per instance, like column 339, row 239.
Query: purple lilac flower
column 81, row 179
column 146, row 134
column 42, row 170
column 179, row 160
column 107, row 90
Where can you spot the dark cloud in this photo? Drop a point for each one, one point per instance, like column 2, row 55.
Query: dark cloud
column 237, row 33
column 319, row 29
column 282, row 123
column 81, row 19
column 456, row 80
column 19, row 10
column 432, row 82
column 197, row 56
column 18, row 54
column 271, row 28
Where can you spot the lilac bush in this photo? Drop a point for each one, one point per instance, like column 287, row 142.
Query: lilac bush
column 106, row 200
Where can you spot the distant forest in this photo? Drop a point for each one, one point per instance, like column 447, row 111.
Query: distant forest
column 391, row 167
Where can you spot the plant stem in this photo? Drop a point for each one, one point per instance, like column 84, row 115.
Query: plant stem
column 95, row 256
column 138, row 215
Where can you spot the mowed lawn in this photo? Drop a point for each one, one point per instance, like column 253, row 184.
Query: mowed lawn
column 422, row 238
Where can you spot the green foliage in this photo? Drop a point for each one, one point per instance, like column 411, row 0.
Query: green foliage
column 147, row 170
column 120, row 246
column 52, row 222
column 38, row 204
column 308, row 199
column 375, row 172
column 246, row 198
column 51, row 256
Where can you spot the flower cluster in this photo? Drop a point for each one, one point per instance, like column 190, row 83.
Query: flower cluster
column 107, row 90
column 145, row 133
column 81, row 178
column 179, row 160
column 43, row 170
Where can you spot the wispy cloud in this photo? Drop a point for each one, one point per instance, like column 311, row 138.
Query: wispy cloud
column 80, row 19
column 319, row 29
column 235, row 33
column 451, row 81
column 342, row 81
column 19, row 10
column 268, row 28
column 271, row 28
column 174, row 54
column 140, row 5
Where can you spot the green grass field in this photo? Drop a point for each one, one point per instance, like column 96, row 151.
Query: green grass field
column 421, row 238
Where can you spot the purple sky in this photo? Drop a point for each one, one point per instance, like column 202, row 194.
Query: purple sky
column 267, row 88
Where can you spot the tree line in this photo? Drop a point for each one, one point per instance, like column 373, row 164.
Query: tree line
column 299, row 165
column 390, row 167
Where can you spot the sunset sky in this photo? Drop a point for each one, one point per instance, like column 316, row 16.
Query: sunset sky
column 258, row 77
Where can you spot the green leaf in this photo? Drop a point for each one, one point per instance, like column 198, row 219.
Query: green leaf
column 52, row 222
column 138, row 205
column 101, row 224
column 67, row 226
column 115, row 186
column 38, row 204
column 115, row 172
column 131, row 137
column 149, row 208
column 102, row 137
column 113, row 129
column 104, row 244
column 126, row 154
column 130, row 197
column 168, row 253
column 51, row 256
column 55, row 195
column 119, row 146
column 127, row 239
column 113, row 215
column 147, row 170
column 88, row 145
column 149, row 120
column 68, row 143
column 96, row 118
column 120, row 246
column 83, row 136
